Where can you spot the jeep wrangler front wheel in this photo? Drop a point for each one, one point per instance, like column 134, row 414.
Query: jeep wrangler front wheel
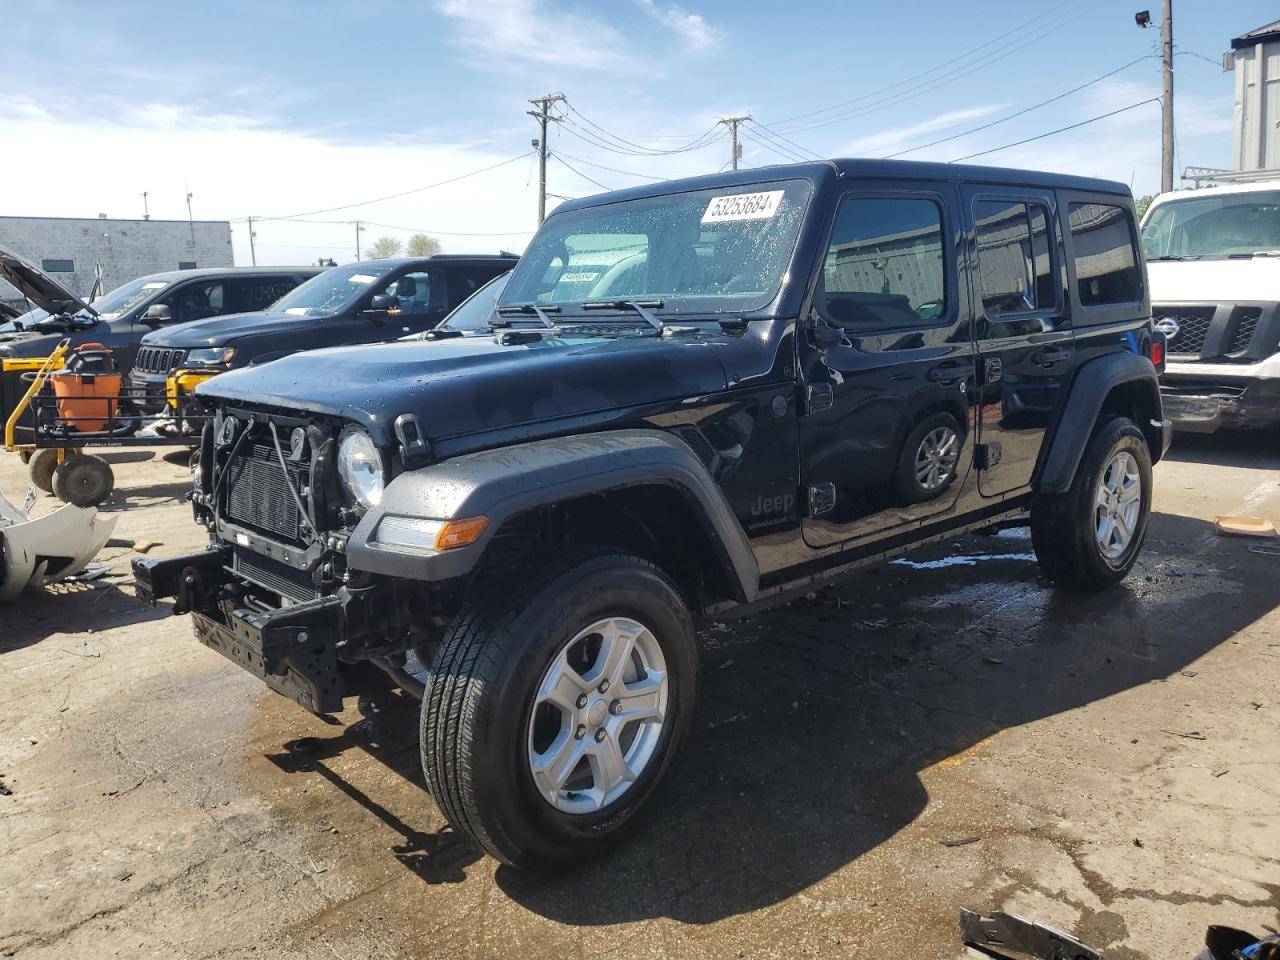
column 1089, row 537
column 551, row 713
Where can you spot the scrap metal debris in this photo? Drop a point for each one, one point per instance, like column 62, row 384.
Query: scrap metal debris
column 1008, row 935
column 34, row 552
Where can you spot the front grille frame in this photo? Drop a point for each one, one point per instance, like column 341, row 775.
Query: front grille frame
column 1237, row 332
column 159, row 359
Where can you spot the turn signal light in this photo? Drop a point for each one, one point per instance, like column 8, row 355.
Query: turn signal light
column 1157, row 351
column 460, row 533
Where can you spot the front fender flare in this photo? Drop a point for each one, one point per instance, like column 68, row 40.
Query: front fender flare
column 1089, row 390
column 504, row 482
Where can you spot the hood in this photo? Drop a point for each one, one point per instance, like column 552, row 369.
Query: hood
column 38, row 287
column 31, row 343
column 220, row 331
column 472, row 384
column 1178, row 281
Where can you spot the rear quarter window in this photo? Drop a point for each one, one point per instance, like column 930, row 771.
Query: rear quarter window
column 1106, row 254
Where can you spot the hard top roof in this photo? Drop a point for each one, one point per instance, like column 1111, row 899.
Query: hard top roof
column 858, row 169
column 170, row 275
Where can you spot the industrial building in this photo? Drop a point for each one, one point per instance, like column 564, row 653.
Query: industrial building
column 75, row 251
column 1255, row 57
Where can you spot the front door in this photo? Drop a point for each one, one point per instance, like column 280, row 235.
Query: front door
column 888, row 366
column 1022, row 327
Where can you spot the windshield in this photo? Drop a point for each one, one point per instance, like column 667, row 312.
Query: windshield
column 705, row 251
column 332, row 291
column 1233, row 223
column 125, row 297
column 473, row 314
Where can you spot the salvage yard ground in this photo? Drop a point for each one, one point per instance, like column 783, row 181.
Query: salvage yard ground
column 1108, row 762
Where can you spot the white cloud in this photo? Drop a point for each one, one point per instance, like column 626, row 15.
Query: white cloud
column 884, row 142
column 522, row 32
column 237, row 165
column 693, row 30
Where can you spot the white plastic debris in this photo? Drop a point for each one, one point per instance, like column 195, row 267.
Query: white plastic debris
column 48, row 548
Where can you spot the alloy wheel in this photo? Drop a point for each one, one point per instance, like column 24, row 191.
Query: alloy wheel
column 598, row 715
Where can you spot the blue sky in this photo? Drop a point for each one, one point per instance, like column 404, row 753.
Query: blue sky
column 281, row 108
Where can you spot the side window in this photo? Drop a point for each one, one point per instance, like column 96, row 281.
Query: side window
column 1015, row 265
column 1106, row 255
column 196, row 301
column 419, row 293
column 884, row 265
column 257, row 293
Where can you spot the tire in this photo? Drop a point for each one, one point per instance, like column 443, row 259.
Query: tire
column 83, row 480
column 483, row 725
column 1066, row 528
column 40, row 468
column 929, row 461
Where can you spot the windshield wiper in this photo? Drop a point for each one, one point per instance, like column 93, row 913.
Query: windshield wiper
column 1173, row 256
column 526, row 308
column 642, row 307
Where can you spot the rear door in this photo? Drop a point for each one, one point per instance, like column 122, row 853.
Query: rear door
column 1022, row 328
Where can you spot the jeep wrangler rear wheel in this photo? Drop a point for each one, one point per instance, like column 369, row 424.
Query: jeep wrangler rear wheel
column 551, row 713
column 1089, row 537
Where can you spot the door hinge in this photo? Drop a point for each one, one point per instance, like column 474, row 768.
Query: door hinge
column 988, row 455
column 818, row 397
column 822, row 499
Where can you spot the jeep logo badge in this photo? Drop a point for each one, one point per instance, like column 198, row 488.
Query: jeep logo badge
column 1168, row 326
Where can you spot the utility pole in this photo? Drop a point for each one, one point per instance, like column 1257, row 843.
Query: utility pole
column 542, row 115
column 1166, row 131
column 735, row 149
column 1143, row 19
column 358, row 229
column 146, row 213
column 253, row 255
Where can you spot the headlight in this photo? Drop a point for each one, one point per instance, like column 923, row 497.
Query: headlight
column 210, row 356
column 360, row 467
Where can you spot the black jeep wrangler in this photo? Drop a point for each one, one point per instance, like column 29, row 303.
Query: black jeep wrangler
column 692, row 398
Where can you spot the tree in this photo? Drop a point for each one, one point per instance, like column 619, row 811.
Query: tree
column 1142, row 203
column 421, row 245
column 384, row 247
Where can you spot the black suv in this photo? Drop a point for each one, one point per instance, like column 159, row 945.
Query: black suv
column 365, row 302
column 693, row 398
column 121, row 318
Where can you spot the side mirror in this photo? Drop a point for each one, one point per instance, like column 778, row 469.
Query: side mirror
column 157, row 314
column 381, row 303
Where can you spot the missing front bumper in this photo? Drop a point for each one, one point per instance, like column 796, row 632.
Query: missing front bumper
column 293, row 650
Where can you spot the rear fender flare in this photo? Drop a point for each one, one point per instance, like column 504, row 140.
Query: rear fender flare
column 1090, row 388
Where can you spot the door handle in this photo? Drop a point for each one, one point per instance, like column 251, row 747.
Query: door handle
column 950, row 371
column 1050, row 356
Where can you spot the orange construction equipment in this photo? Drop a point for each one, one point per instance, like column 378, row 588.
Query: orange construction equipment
column 87, row 388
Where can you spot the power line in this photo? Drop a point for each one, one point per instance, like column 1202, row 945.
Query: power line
column 1018, row 143
column 792, row 143
column 928, row 86
column 1019, row 113
column 392, row 196
column 601, row 166
column 580, row 173
column 694, row 143
column 778, row 147
column 587, row 136
column 446, row 233
column 941, row 66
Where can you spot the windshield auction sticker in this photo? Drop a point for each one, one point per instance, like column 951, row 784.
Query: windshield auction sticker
column 743, row 206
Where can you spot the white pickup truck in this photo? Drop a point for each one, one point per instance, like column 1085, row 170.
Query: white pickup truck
column 1213, row 259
